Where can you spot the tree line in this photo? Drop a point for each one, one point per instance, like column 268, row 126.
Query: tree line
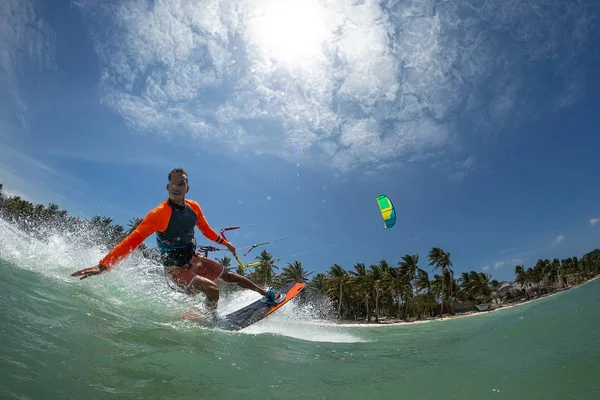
column 39, row 221
column 405, row 290
column 408, row 291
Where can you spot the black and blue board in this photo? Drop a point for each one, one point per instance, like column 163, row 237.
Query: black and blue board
column 257, row 310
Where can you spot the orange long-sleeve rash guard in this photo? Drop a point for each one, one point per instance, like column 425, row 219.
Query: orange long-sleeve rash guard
column 173, row 225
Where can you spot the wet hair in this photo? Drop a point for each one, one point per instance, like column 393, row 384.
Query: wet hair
column 179, row 171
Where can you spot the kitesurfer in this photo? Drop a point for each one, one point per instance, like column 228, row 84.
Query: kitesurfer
column 174, row 220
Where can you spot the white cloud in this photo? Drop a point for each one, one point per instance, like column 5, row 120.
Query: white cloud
column 26, row 40
column 370, row 85
column 507, row 264
column 594, row 221
column 558, row 239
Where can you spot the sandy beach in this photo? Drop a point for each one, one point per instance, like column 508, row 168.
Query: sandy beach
column 393, row 322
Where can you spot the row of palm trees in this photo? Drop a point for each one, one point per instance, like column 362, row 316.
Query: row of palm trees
column 405, row 290
column 39, row 221
column 549, row 276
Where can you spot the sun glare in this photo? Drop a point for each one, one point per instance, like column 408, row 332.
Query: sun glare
column 290, row 31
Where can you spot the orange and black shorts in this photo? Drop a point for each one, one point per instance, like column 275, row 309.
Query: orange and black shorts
column 198, row 266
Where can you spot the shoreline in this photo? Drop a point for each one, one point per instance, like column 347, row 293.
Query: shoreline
column 393, row 322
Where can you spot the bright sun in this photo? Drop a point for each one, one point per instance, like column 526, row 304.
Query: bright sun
column 290, row 31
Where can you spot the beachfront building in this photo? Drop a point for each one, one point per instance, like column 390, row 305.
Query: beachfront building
column 464, row 307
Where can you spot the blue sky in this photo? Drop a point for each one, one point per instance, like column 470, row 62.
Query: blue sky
column 479, row 119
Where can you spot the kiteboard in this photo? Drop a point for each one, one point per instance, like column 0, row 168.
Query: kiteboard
column 255, row 311
column 258, row 310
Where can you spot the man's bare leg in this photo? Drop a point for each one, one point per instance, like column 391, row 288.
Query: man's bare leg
column 242, row 281
column 210, row 289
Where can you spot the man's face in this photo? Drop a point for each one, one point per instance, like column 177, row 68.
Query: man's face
column 178, row 188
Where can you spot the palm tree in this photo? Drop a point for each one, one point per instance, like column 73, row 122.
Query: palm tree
column 424, row 285
column 480, row 283
column 265, row 271
column 116, row 234
column 396, row 284
column 379, row 274
column 225, row 262
column 409, row 270
column 441, row 260
column 362, row 282
column 132, row 225
column 317, row 283
column 386, row 286
column 294, row 272
column 466, row 286
column 240, row 271
column 553, row 275
column 336, row 281
column 522, row 277
column 451, row 280
column 576, row 268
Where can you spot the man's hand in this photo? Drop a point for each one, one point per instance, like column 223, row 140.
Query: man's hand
column 231, row 248
column 84, row 273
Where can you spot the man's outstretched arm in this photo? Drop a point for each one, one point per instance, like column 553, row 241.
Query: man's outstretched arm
column 147, row 227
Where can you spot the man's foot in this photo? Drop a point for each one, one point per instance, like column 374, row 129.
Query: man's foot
column 273, row 296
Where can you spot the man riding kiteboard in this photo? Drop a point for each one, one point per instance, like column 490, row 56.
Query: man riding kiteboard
column 174, row 220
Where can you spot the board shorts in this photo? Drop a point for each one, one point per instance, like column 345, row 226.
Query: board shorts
column 198, row 266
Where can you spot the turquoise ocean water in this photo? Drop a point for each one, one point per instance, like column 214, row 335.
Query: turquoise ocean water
column 119, row 336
